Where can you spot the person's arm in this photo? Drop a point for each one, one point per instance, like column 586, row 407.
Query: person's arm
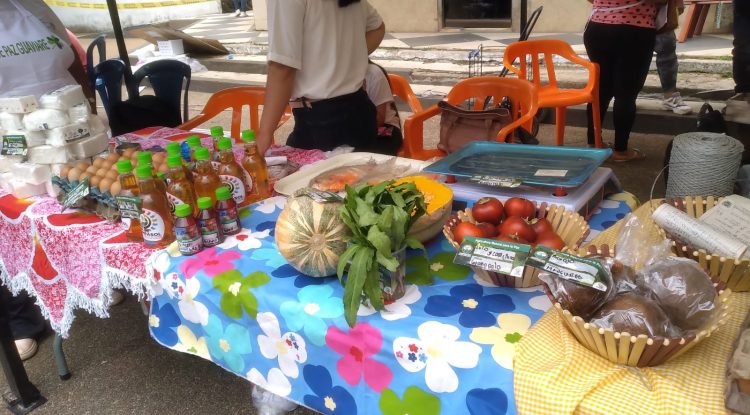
column 374, row 37
column 279, row 85
column 380, row 114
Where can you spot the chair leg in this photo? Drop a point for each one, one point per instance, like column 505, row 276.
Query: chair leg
column 596, row 114
column 62, row 364
column 559, row 125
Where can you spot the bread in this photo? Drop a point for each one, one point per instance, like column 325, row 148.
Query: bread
column 634, row 314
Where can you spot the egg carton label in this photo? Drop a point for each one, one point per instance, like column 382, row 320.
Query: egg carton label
column 129, row 206
column 584, row 271
column 14, row 145
column 495, row 256
column 76, row 194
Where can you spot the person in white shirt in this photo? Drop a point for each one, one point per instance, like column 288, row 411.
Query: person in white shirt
column 379, row 90
column 317, row 60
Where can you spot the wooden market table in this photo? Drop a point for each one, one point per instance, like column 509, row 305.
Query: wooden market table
column 695, row 17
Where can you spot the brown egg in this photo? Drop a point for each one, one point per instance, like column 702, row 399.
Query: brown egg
column 101, row 172
column 84, row 175
column 94, row 181
column 74, row 174
column 82, row 165
column 114, row 190
column 104, row 185
column 64, row 171
column 158, row 158
column 128, row 152
column 112, row 174
column 91, row 170
column 163, row 168
column 113, row 157
column 97, row 162
column 107, row 165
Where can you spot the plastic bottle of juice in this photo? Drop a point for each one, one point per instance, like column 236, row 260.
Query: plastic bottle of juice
column 217, row 133
column 145, row 158
column 208, row 223
column 180, row 190
column 174, row 148
column 255, row 166
column 205, row 179
column 156, row 219
column 229, row 219
column 129, row 186
column 232, row 175
column 186, row 231
column 193, row 142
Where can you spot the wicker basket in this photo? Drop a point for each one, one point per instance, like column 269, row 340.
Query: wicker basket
column 639, row 351
column 570, row 226
column 735, row 273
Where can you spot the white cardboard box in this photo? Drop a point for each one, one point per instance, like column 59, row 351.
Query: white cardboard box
column 170, row 47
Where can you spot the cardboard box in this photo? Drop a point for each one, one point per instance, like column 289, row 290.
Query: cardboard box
column 170, row 47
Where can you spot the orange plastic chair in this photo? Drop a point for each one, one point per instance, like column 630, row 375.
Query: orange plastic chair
column 550, row 94
column 522, row 95
column 401, row 89
column 235, row 99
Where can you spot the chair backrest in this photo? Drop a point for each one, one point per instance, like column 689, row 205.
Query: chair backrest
column 108, row 77
column 401, row 89
column 521, row 94
column 166, row 78
column 528, row 53
column 101, row 47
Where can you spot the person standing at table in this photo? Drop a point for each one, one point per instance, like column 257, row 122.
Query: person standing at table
column 620, row 37
column 667, row 66
column 240, row 7
column 34, row 73
column 317, row 60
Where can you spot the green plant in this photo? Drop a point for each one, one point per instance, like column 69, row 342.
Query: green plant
column 379, row 217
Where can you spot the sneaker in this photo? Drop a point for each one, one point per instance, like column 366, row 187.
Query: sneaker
column 676, row 105
column 237, row 13
column 26, row 348
column 243, row 14
column 738, row 109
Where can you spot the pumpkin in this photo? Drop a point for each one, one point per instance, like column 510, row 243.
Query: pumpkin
column 439, row 200
column 311, row 235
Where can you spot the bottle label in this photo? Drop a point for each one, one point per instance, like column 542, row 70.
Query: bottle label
column 210, row 232
column 235, row 186
column 173, row 202
column 215, row 165
column 230, row 223
column 249, row 182
column 189, row 239
column 153, row 226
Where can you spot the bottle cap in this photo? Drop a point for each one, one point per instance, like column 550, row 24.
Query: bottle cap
column 161, row 175
column 144, row 158
column 183, row 210
column 223, row 193
column 124, row 166
column 205, row 203
column 248, row 136
column 144, row 171
column 217, row 131
column 225, row 143
column 174, row 160
column 201, row 153
column 172, row 148
column 193, row 141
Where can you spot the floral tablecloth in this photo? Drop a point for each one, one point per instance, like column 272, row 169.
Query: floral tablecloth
column 445, row 347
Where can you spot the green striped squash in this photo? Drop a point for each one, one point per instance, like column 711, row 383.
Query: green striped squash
column 311, row 236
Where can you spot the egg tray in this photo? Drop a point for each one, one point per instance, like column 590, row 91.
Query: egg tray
column 638, row 351
column 734, row 272
column 101, row 204
column 570, row 226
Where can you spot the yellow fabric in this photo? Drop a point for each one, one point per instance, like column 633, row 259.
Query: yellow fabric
column 554, row 374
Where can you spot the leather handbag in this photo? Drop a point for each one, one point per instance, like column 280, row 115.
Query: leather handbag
column 459, row 127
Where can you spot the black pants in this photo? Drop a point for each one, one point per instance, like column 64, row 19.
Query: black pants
column 741, row 51
column 26, row 320
column 327, row 124
column 624, row 54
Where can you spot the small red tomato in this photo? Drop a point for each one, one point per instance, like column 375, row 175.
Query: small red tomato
column 550, row 240
column 489, row 230
column 487, row 209
column 516, row 206
column 517, row 226
column 465, row 229
column 512, row 238
column 541, row 225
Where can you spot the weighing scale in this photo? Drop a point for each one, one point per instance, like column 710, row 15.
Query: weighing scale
column 567, row 176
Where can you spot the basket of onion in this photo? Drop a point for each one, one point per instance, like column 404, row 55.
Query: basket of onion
column 521, row 221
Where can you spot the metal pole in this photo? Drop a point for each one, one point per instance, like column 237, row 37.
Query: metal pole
column 26, row 396
column 524, row 14
column 120, row 39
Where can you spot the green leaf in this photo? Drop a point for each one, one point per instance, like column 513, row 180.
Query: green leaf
column 387, row 261
column 372, row 289
column 355, row 282
column 366, row 215
column 418, row 271
column 350, row 222
column 345, row 258
column 379, row 240
column 414, row 244
column 256, row 279
column 230, row 304
column 385, row 220
column 398, row 200
column 249, row 303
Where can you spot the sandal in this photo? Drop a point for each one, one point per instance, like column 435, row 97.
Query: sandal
column 629, row 155
column 605, row 144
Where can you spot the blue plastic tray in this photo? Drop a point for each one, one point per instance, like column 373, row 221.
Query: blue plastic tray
column 533, row 165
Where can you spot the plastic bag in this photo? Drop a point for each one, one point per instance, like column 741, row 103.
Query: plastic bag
column 635, row 314
column 630, row 249
column 335, row 180
column 578, row 299
column 683, row 290
column 268, row 403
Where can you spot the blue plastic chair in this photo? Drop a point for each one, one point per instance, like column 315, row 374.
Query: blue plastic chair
column 166, row 78
column 108, row 78
column 101, row 47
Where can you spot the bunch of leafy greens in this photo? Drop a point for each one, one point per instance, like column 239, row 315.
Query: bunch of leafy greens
column 380, row 217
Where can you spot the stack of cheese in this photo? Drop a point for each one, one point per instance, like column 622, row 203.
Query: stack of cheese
column 40, row 136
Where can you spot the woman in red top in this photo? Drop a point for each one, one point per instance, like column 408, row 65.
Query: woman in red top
column 620, row 38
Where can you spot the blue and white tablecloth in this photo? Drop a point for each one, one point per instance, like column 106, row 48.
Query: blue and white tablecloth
column 445, row 347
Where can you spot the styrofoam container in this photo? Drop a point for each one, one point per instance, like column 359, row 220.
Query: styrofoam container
column 45, row 119
column 48, row 155
column 10, row 121
column 63, row 98
column 31, row 173
column 88, row 147
column 70, row 132
column 19, row 105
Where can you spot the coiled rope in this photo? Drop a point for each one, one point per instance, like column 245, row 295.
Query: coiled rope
column 703, row 164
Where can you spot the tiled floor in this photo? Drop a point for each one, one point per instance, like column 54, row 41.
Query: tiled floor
column 229, row 29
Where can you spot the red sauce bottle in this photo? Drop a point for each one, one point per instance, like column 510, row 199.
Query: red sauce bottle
column 186, row 231
column 208, row 223
column 226, row 207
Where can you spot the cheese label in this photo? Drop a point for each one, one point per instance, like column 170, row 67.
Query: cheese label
column 14, row 145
